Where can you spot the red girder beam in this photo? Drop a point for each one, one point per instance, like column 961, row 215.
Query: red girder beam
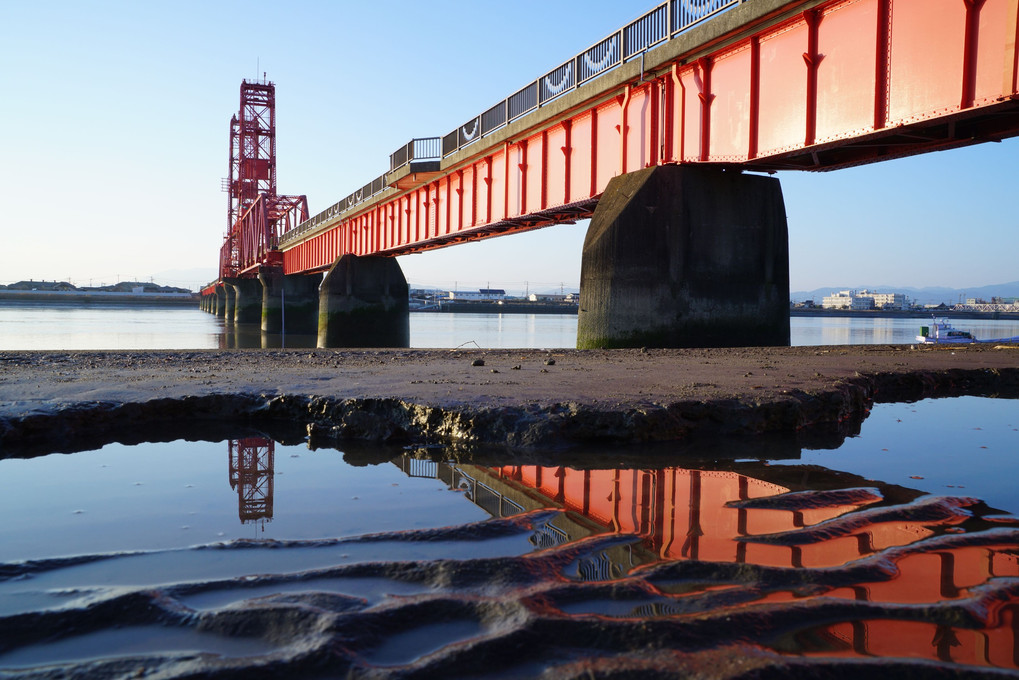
column 809, row 84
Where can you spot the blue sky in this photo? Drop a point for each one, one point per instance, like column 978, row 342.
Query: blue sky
column 115, row 115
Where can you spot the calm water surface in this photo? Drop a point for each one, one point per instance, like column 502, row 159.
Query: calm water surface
column 38, row 326
column 823, row 554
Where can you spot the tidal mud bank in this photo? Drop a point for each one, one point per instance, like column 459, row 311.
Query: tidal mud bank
column 528, row 399
column 540, row 613
column 743, row 567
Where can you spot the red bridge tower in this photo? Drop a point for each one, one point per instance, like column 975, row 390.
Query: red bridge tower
column 256, row 215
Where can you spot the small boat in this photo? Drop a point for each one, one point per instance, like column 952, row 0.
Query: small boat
column 940, row 332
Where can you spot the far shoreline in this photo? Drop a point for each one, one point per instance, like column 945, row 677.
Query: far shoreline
column 95, row 299
column 903, row 313
column 92, row 299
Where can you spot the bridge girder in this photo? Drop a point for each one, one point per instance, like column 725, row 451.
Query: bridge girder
column 773, row 85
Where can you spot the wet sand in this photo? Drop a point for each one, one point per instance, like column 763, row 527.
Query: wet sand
column 527, row 398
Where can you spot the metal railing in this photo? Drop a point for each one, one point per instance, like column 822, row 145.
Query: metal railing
column 648, row 31
column 662, row 23
column 547, row 535
column 598, row 58
column 419, row 467
column 423, row 149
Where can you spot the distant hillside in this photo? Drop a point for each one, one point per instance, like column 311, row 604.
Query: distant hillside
column 930, row 295
column 122, row 287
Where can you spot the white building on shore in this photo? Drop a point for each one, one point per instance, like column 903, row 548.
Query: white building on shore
column 482, row 295
column 865, row 299
column 847, row 299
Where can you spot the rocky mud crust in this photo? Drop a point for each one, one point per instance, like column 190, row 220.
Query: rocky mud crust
column 521, row 398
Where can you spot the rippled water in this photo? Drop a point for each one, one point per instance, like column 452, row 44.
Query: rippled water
column 65, row 327
column 900, row 546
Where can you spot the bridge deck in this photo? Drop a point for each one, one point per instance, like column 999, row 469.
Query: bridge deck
column 768, row 85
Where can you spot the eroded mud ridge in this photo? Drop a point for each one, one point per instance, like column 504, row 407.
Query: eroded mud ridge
column 858, row 580
column 518, row 398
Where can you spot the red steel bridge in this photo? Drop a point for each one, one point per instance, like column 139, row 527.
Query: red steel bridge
column 256, row 215
column 761, row 85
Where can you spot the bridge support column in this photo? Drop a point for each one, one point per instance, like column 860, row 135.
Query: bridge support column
column 247, row 295
column 364, row 303
column 290, row 300
column 220, row 308
column 230, row 295
column 677, row 256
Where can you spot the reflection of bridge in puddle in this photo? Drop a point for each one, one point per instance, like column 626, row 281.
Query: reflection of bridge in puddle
column 911, row 560
column 252, row 466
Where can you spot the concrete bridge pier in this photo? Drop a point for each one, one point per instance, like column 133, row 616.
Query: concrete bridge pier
column 230, row 295
column 219, row 308
column 247, row 294
column 363, row 302
column 289, row 299
column 678, row 256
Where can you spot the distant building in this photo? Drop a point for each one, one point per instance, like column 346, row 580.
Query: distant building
column 865, row 299
column 886, row 300
column 847, row 299
column 553, row 297
column 481, row 295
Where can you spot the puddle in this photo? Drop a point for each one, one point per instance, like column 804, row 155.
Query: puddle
column 139, row 641
column 899, row 546
column 406, row 646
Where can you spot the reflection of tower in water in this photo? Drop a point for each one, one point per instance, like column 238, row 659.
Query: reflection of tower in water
column 252, row 462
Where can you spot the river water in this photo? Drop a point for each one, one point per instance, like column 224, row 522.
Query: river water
column 59, row 327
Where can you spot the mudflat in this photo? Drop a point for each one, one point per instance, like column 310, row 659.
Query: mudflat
column 774, row 570
column 519, row 397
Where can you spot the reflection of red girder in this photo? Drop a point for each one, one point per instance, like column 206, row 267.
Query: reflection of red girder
column 252, row 466
column 725, row 517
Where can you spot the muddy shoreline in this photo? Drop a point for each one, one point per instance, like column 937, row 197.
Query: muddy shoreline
column 495, row 599
column 526, row 399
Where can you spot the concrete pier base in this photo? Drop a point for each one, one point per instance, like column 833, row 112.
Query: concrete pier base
column 677, row 256
column 220, row 305
column 230, row 295
column 247, row 295
column 289, row 303
column 364, row 303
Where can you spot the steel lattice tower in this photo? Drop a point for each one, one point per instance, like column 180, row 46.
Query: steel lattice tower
column 252, row 148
